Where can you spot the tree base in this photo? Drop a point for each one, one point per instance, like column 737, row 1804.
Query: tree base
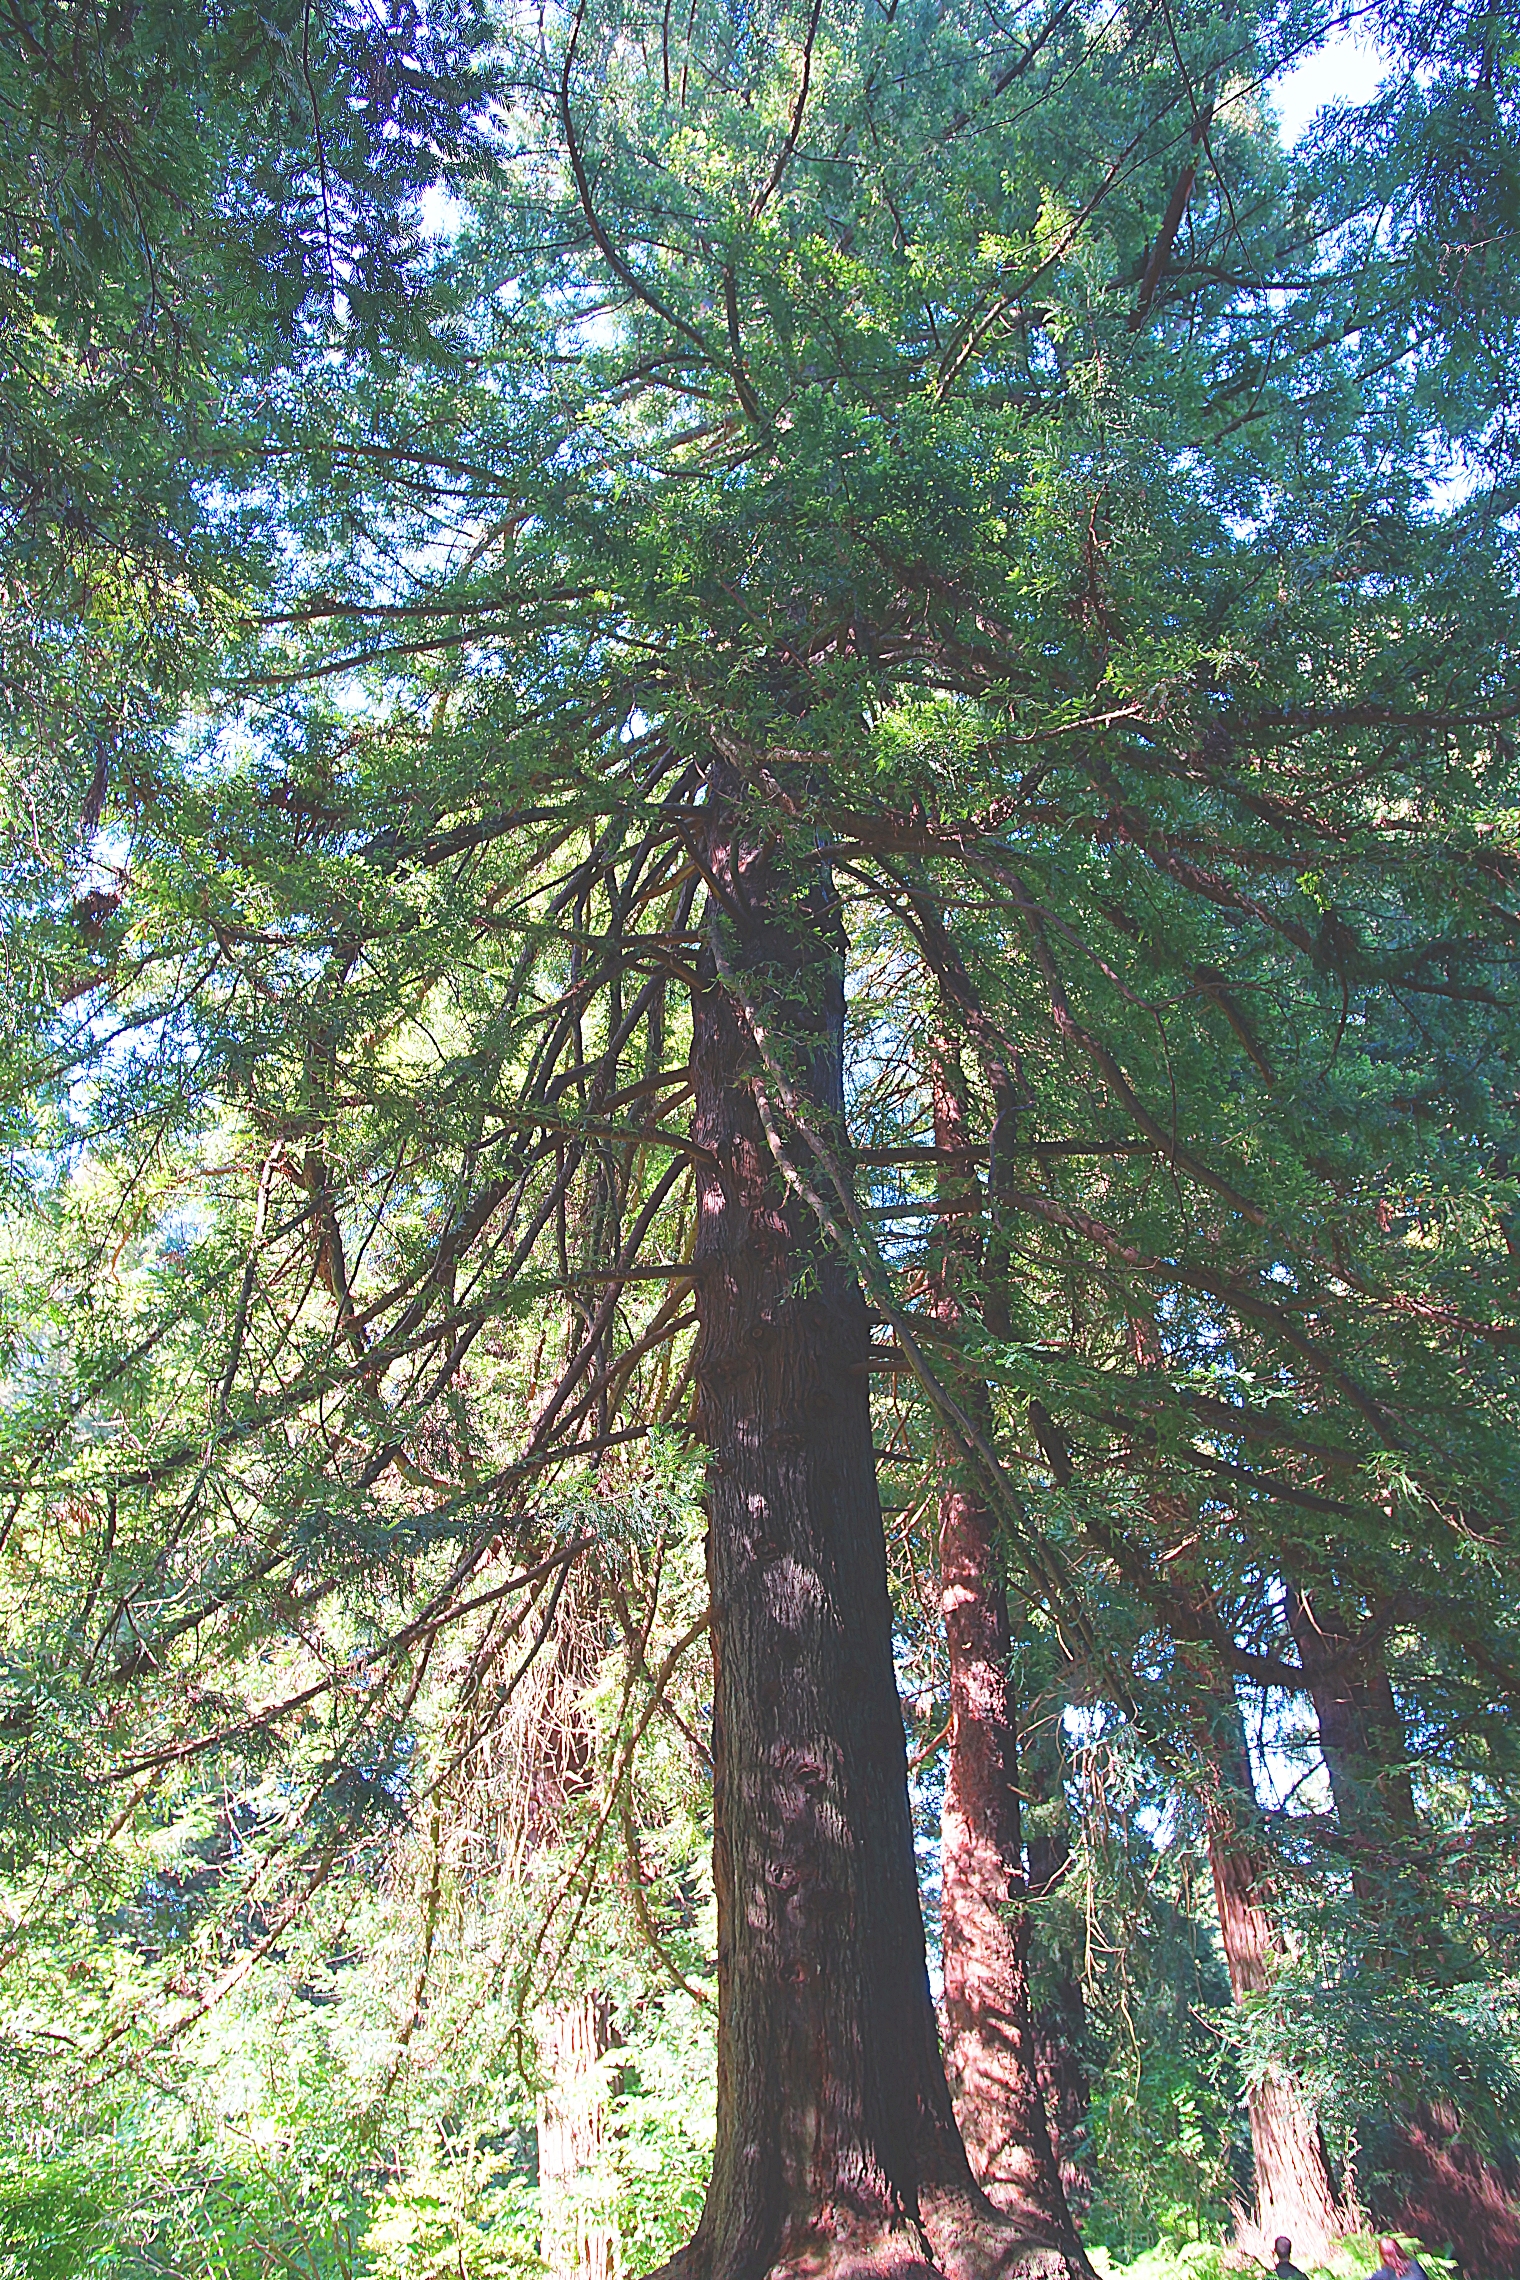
column 959, row 2236
column 1294, row 2194
column 974, row 2240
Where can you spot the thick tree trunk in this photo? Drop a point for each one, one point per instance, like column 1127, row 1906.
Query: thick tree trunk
column 1361, row 1739
column 837, row 2150
column 1434, row 2184
column 578, row 2231
column 1294, row 2193
column 984, row 1929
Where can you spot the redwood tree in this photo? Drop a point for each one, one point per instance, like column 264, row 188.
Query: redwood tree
column 867, row 445
column 991, row 2051
column 1295, row 2193
column 1434, row 2177
column 837, row 2148
column 1361, row 1739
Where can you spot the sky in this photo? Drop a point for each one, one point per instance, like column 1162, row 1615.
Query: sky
column 1348, row 68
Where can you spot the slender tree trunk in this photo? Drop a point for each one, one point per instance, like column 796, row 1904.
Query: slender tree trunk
column 579, row 2237
column 837, row 2150
column 1294, row 2193
column 1058, row 2012
column 1061, row 2023
column 984, row 1929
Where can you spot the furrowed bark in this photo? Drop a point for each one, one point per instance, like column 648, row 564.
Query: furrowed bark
column 984, row 1928
column 837, row 2149
column 1294, row 2191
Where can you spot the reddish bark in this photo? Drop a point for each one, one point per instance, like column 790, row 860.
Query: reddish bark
column 984, row 1931
column 1434, row 2184
column 1294, row 2192
column 990, row 2051
column 837, row 2150
column 1447, row 2192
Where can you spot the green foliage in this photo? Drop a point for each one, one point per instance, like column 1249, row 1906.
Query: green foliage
column 1371, row 2043
column 453, row 2216
column 662, row 2122
column 1161, row 2137
column 1171, row 2259
column 127, row 2210
column 1162, row 2127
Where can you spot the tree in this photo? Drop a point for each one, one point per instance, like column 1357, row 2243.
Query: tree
column 1295, row 2193
column 195, row 197
column 824, row 1987
column 984, row 1931
column 838, row 483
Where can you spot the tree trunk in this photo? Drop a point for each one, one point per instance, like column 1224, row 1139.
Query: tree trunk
column 984, row 1929
column 1294, row 2194
column 1059, row 2013
column 984, row 1932
column 1434, row 2184
column 578, row 2232
column 837, row 2150
column 1361, row 1739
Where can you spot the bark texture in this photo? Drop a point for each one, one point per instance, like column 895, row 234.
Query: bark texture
column 1294, row 2191
column 837, row 2149
column 1361, row 1739
column 984, row 1931
column 1059, row 2013
column 984, row 1926
column 578, row 2232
